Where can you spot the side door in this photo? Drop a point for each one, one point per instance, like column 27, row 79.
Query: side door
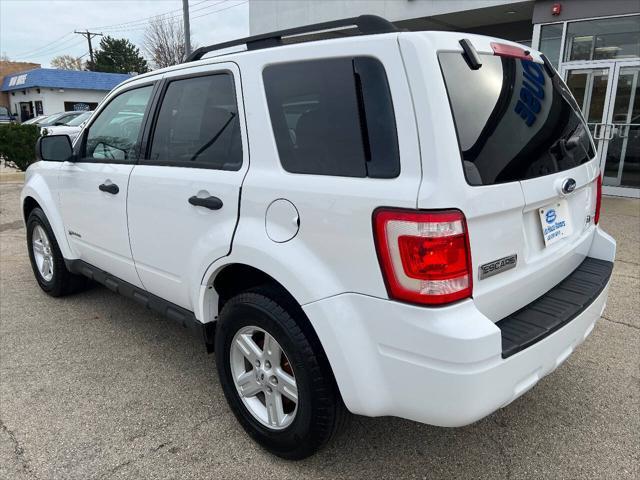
column 184, row 194
column 93, row 189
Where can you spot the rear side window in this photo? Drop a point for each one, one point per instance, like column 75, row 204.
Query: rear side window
column 198, row 125
column 333, row 117
column 514, row 121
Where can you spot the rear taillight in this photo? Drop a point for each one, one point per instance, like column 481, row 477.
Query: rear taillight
column 424, row 256
column 504, row 50
column 596, row 217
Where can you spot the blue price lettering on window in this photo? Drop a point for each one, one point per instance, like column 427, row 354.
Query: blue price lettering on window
column 531, row 92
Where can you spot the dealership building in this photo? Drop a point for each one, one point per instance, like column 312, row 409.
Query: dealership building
column 45, row 91
column 594, row 44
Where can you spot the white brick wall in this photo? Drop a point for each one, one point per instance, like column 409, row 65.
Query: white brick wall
column 53, row 98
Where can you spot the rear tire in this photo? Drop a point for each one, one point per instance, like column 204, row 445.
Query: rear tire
column 319, row 412
column 46, row 259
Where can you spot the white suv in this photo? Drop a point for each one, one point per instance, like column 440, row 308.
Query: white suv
column 399, row 223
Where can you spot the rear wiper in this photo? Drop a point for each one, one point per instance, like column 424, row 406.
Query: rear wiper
column 565, row 144
column 470, row 54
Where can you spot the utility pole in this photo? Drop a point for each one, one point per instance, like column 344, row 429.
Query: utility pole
column 187, row 30
column 89, row 35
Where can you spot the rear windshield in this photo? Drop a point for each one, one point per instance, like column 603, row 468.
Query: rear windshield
column 514, row 122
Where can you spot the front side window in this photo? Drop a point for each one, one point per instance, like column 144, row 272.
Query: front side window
column 198, row 124
column 333, row 117
column 113, row 136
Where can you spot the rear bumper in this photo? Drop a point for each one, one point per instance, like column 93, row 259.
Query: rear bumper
column 438, row 366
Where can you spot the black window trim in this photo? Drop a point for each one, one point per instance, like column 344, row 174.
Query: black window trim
column 80, row 152
column 150, row 127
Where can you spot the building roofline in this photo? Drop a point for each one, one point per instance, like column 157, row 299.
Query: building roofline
column 67, row 79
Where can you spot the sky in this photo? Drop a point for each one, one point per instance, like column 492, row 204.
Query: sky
column 39, row 30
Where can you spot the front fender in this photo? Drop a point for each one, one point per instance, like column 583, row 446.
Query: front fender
column 41, row 182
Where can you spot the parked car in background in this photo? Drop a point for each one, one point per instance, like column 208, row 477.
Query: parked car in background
column 5, row 115
column 36, row 120
column 61, row 118
column 72, row 128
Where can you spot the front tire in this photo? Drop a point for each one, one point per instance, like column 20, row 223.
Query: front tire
column 275, row 375
column 46, row 259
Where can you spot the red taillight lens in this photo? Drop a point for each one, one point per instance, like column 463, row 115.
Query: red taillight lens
column 504, row 50
column 424, row 256
column 596, row 217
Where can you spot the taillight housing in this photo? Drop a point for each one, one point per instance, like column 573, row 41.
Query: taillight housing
column 596, row 217
column 424, row 255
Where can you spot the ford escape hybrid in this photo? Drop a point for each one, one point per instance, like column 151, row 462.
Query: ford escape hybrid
column 386, row 222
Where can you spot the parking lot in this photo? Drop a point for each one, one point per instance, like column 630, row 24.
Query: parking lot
column 93, row 386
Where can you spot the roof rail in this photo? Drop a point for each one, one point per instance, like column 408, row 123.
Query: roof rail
column 366, row 24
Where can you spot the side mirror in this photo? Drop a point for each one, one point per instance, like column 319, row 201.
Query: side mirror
column 54, row 148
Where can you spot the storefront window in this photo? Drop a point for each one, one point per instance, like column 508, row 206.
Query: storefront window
column 550, row 42
column 603, row 39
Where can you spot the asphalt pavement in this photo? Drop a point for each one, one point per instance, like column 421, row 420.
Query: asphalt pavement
column 93, row 386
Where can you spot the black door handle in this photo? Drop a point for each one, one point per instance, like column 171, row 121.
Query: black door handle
column 212, row 203
column 112, row 188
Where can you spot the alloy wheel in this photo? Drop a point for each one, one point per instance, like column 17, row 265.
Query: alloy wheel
column 42, row 253
column 263, row 377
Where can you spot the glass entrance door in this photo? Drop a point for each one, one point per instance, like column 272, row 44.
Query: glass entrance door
column 608, row 94
column 622, row 150
column 591, row 87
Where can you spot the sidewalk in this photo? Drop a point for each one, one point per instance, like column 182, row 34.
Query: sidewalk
column 9, row 174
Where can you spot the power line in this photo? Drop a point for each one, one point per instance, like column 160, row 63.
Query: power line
column 142, row 24
column 55, row 49
column 44, row 47
column 54, row 44
column 59, row 44
column 221, row 9
column 142, row 27
column 147, row 19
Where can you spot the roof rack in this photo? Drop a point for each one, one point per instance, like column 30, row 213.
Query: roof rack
column 366, row 25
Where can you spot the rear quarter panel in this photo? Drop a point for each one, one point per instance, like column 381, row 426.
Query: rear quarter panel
column 334, row 250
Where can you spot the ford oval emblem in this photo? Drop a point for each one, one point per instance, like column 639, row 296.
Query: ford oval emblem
column 551, row 215
column 568, row 186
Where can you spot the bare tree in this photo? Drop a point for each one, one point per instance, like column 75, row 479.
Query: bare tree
column 67, row 62
column 164, row 42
